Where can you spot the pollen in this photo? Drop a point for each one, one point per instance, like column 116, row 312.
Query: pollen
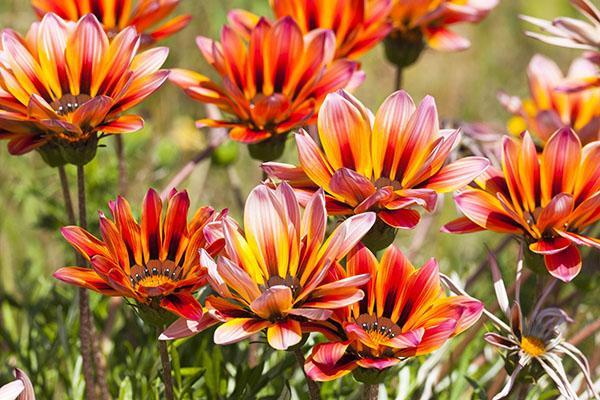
column 533, row 346
column 69, row 103
column 379, row 329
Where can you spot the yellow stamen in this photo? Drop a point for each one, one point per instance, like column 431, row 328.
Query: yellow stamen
column 533, row 346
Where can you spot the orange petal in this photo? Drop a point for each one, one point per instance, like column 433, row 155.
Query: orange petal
column 87, row 278
column 345, row 133
column 284, row 334
column 486, row 211
column 390, row 121
column 457, row 174
column 183, row 304
column 559, row 165
column 275, row 300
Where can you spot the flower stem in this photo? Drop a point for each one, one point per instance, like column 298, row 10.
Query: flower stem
column 166, row 368
column 121, row 166
column 370, row 391
column 398, row 81
column 85, row 317
column 314, row 391
column 84, row 306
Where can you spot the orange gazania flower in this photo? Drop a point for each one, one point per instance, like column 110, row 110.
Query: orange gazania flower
column 65, row 83
column 274, row 77
column 386, row 164
column 547, row 198
column 551, row 107
column 277, row 274
column 116, row 15
column 358, row 25
column 405, row 313
column 431, row 19
column 154, row 262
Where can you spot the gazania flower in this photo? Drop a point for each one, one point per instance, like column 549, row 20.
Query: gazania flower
column 19, row 389
column 575, row 34
column 116, row 15
column 66, row 83
column 570, row 32
column 405, row 313
column 548, row 199
column 278, row 275
column 534, row 345
column 154, row 262
column 273, row 77
column 419, row 22
column 358, row 25
column 387, row 164
column 551, row 107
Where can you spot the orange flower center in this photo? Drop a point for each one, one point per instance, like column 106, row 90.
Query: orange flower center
column 533, row 346
column 155, row 273
column 69, row 103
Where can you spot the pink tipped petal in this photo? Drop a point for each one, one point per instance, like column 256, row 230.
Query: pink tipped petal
column 183, row 328
column 351, row 186
column 123, row 124
column 238, row 329
column 377, row 363
column 442, row 39
column 564, row 265
column 458, row 174
column 461, row 225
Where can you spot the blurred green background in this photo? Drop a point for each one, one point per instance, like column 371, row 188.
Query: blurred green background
column 38, row 317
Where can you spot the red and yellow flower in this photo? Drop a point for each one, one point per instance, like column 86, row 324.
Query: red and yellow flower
column 551, row 107
column 359, row 25
column 387, row 164
column 405, row 313
column 273, row 77
column 116, row 15
column 278, row 274
column 547, row 198
column 65, row 83
column 430, row 19
column 155, row 262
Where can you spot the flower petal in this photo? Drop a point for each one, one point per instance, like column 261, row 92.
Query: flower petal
column 284, row 334
column 184, row 304
column 564, row 265
column 238, row 329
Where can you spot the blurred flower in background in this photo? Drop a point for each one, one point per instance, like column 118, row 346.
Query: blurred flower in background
column 19, row 389
column 358, row 25
column 278, row 274
column 575, row 34
column 66, row 83
column 116, row 15
column 273, row 79
column 154, row 262
column 405, row 313
column 548, row 199
column 551, row 107
column 417, row 23
column 389, row 163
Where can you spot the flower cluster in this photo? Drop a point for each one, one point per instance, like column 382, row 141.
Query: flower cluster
column 303, row 259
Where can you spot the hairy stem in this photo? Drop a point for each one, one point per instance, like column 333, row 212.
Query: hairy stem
column 398, row 80
column 85, row 323
column 370, row 391
column 314, row 393
column 166, row 368
column 122, row 166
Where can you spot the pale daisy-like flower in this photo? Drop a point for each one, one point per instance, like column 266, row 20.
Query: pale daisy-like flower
column 532, row 342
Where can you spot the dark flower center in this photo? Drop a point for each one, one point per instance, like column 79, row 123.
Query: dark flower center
column 69, row 103
column 290, row 281
column 380, row 329
column 155, row 273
